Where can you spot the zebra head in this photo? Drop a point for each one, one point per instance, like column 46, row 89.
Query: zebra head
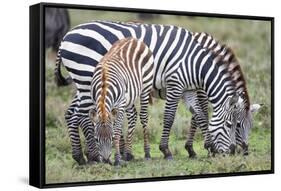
column 103, row 134
column 235, row 128
column 244, row 124
column 223, row 126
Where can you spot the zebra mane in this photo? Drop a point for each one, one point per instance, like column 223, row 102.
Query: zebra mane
column 104, row 87
column 227, row 56
column 104, row 75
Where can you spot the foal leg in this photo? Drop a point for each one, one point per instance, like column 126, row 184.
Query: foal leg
column 144, row 101
column 132, row 119
column 116, row 138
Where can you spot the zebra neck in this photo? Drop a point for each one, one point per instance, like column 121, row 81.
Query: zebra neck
column 220, row 104
column 216, row 80
column 220, row 98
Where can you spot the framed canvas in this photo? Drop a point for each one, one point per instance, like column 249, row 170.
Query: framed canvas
column 211, row 95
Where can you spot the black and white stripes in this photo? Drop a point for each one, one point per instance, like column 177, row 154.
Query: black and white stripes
column 199, row 98
column 181, row 64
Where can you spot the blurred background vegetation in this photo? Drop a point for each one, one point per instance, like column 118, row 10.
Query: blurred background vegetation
column 251, row 42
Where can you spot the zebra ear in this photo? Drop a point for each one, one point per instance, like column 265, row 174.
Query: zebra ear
column 255, row 107
column 232, row 101
column 93, row 115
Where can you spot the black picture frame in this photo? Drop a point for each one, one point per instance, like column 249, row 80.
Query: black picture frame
column 37, row 94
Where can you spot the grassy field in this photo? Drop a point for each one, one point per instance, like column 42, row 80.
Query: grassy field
column 250, row 40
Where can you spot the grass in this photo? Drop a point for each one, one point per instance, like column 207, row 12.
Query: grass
column 250, row 40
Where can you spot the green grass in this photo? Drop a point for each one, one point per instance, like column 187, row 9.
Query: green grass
column 250, row 40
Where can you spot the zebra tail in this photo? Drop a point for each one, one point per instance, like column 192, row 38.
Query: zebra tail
column 59, row 79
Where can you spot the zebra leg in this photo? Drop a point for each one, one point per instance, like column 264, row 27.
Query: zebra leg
column 88, row 131
column 190, row 100
column 195, row 121
column 197, row 103
column 73, row 132
column 201, row 121
column 72, row 125
column 122, row 144
column 190, row 136
column 116, row 138
column 132, row 119
column 173, row 96
column 144, row 119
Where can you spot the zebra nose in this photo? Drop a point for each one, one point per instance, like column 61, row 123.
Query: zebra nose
column 232, row 149
column 212, row 148
column 106, row 157
column 99, row 159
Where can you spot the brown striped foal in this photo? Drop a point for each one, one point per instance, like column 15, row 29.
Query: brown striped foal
column 123, row 75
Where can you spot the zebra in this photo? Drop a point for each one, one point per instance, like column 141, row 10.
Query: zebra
column 124, row 74
column 199, row 98
column 181, row 64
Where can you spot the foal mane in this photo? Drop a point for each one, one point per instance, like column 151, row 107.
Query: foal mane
column 105, row 67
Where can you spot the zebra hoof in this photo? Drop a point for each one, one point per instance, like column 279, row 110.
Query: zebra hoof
column 192, row 155
column 245, row 153
column 128, row 157
column 117, row 163
column 190, row 151
column 208, row 146
column 120, row 163
column 92, row 162
column 167, row 153
column 170, row 157
column 147, row 156
column 81, row 161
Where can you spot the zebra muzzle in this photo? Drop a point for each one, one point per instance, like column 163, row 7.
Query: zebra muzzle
column 245, row 148
column 232, row 149
column 107, row 161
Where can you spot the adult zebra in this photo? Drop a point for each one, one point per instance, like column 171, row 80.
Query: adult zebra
column 123, row 75
column 199, row 98
column 182, row 64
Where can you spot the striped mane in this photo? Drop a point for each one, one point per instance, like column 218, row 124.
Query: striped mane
column 104, row 88
column 237, row 75
column 105, row 65
column 227, row 56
